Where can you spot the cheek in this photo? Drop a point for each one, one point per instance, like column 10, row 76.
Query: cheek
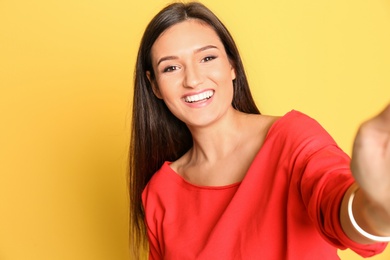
column 169, row 90
column 223, row 76
column 223, row 72
column 166, row 85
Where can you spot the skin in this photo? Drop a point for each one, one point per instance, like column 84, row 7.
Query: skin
column 186, row 64
column 370, row 167
column 189, row 59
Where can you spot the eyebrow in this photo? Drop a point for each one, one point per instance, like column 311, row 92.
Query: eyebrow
column 196, row 51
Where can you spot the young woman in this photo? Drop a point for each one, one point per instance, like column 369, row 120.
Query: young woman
column 212, row 178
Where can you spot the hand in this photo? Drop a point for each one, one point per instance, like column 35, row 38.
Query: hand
column 370, row 163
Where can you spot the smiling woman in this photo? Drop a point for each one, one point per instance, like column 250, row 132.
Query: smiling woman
column 66, row 73
column 189, row 68
column 212, row 178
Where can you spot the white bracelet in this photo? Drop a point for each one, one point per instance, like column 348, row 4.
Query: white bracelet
column 356, row 226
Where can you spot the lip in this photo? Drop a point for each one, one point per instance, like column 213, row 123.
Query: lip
column 198, row 104
column 196, row 93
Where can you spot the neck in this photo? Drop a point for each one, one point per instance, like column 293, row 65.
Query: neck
column 216, row 141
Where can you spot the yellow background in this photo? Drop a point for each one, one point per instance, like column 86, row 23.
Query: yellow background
column 66, row 72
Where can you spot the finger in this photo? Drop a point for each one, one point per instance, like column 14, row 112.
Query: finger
column 384, row 116
column 380, row 122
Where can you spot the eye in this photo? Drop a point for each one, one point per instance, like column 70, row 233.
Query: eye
column 209, row 58
column 170, row 68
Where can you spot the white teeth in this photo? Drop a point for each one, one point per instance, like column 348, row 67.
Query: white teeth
column 198, row 97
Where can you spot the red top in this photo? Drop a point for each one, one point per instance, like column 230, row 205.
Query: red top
column 286, row 207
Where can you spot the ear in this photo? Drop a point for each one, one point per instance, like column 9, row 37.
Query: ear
column 233, row 73
column 155, row 88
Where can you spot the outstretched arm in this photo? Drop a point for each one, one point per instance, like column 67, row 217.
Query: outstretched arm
column 370, row 166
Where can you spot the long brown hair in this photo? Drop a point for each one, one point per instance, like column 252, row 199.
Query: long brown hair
column 156, row 134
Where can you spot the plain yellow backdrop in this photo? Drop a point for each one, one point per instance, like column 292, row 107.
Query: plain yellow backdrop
column 66, row 71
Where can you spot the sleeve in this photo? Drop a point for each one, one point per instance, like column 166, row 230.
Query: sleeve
column 149, row 205
column 154, row 251
column 322, row 172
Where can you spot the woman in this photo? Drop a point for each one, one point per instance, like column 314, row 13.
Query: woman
column 212, row 178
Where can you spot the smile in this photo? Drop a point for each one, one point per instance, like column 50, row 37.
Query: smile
column 199, row 97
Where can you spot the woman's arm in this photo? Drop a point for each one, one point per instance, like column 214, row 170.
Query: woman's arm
column 370, row 166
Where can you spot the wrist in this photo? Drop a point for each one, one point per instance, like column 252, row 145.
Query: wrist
column 370, row 221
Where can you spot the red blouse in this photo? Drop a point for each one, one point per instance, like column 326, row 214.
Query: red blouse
column 286, row 207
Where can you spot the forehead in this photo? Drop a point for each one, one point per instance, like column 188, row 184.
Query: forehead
column 189, row 34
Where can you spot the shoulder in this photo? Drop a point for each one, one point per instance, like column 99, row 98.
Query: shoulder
column 160, row 181
column 297, row 123
column 292, row 130
column 258, row 125
column 293, row 119
column 296, row 130
column 163, row 175
column 297, row 118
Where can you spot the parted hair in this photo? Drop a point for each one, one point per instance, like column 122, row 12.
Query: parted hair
column 156, row 134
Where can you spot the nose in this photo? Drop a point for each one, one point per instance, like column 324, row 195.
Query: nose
column 193, row 76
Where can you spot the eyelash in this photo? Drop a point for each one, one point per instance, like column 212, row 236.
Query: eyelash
column 209, row 58
column 172, row 68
